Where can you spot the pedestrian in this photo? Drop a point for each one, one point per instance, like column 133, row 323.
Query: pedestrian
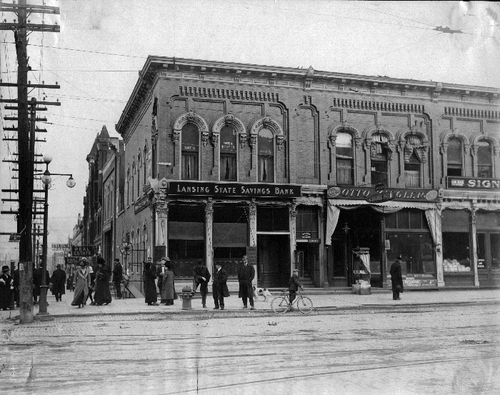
column 102, row 294
column 396, row 278
column 69, row 281
column 246, row 274
column 118, row 278
column 16, row 286
column 37, row 282
column 81, row 284
column 149, row 283
column 167, row 285
column 6, row 288
column 159, row 274
column 294, row 285
column 91, row 284
column 58, row 281
column 201, row 276
column 219, row 286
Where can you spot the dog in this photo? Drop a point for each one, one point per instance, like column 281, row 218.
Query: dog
column 264, row 292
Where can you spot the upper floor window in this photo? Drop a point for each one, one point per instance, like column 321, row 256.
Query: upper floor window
column 145, row 165
column 228, row 154
column 379, row 156
column 190, row 151
column 455, row 158
column 412, row 161
column 265, row 144
column 484, row 162
column 345, row 159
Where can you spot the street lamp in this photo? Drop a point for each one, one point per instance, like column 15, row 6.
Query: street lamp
column 47, row 179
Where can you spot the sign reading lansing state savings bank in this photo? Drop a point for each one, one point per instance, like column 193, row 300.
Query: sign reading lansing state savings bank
column 472, row 183
column 187, row 188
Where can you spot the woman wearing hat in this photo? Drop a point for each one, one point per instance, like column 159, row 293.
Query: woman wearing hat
column 81, row 285
column 102, row 293
column 167, row 286
column 6, row 288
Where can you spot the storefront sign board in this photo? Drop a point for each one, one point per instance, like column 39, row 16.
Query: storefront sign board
column 188, row 188
column 472, row 183
column 400, row 194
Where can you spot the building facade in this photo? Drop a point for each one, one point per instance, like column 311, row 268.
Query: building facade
column 332, row 173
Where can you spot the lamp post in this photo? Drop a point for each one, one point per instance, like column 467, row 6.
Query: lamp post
column 47, row 179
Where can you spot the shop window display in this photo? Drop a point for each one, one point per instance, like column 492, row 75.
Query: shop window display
column 456, row 254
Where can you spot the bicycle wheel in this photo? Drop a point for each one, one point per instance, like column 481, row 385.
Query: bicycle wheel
column 280, row 304
column 305, row 305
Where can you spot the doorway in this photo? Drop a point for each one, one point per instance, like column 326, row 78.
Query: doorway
column 273, row 260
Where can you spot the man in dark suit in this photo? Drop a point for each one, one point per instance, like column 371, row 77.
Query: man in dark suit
column 118, row 278
column 201, row 277
column 219, row 286
column 246, row 274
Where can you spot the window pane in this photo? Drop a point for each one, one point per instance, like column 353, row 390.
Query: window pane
column 228, row 167
column 456, row 252
column 190, row 137
column 266, row 155
column 271, row 219
column 379, row 171
column 228, row 140
column 403, row 219
column 189, row 166
column 390, row 221
column 266, row 169
column 344, row 145
column 417, row 252
column 454, row 151
column 345, row 171
column 416, row 219
column 484, row 162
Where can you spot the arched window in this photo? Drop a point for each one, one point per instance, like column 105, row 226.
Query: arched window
column 139, row 165
column 345, row 159
column 379, row 156
column 132, row 184
column 228, row 154
column 145, row 165
column 484, row 160
column 265, row 144
column 127, row 189
column 190, row 149
column 455, row 157
column 412, row 161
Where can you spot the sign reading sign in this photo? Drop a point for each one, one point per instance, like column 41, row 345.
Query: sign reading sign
column 229, row 190
column 82, row 250
column 360, row 193
column 472, row 183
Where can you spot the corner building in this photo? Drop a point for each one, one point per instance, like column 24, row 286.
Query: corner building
column 334, row 174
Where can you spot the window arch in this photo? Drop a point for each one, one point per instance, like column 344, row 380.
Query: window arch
column 455, row 157
column 484, row 159
column 228, row 152
column 265, row 144
column 190, row 151
column 344, row 153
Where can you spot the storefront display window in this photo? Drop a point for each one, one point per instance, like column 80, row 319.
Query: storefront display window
column 416, row 250
column 456, row 253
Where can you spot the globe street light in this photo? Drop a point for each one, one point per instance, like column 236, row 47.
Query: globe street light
column 47, row 179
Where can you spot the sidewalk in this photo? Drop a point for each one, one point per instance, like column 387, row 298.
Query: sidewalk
column 329, row 300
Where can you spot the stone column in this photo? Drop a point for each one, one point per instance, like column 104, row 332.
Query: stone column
column 209, row 215
column 474, row 244
column 293, row 234
column 252, row 219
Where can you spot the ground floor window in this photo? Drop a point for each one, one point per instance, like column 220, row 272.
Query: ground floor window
column 456, row 252
column 184, row 254
column 416, row 250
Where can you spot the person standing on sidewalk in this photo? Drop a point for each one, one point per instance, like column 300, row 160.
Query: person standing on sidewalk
column 396, row 278
column 149, row 283
column 58, row 281
column 91, row 284
column 102, row 294
column 201, row 277
column 246, row 274
column 118, row 278
column 81, row 285
column 167, row 286
column 6, row 288
column 219, row 286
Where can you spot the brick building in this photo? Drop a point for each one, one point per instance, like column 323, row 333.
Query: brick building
column 332, row 173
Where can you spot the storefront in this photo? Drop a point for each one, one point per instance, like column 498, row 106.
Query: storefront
column 386, row 224
column 471, row 232
column 221, row 222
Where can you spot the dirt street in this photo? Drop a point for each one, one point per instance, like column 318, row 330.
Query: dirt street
column 410, row 350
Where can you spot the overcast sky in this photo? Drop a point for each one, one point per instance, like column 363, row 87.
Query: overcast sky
column 104, row 43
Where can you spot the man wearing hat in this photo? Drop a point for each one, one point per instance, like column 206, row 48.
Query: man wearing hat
column 396, row 278
column 219, row 286
column 118, row 278
column 6, row 288
column 58, row 281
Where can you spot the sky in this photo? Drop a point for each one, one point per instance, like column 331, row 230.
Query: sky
column 103, row 44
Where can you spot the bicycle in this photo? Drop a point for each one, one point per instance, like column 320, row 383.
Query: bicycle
column 281, row 304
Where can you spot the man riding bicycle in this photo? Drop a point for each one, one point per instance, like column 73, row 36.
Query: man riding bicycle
column 294, row 285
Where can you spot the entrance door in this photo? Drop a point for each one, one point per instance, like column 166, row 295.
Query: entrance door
column 273, row 260
column 488, row 254
column 341, row 260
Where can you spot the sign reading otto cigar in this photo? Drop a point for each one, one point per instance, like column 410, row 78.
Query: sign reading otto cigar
column 187, row 188
column 372, row 196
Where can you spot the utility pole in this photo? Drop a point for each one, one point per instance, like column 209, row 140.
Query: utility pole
column 25, row 147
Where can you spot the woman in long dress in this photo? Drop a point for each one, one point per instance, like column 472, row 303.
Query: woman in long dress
column 167, row 287
column 149, row 284
column 102, row 293
column 81, row 285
